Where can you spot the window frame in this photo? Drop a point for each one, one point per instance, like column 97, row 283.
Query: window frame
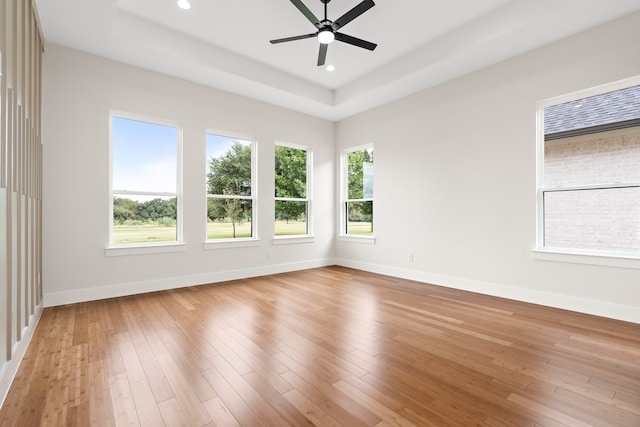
column 574, row 255
column 114, row 249
column 309, row 235
column 344, row 197
column 238, row 241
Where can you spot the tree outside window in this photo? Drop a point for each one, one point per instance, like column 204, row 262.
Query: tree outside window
column 230, row 199
column 359, row 192
column 291, row 191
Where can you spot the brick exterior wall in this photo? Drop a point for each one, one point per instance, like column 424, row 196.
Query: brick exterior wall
column 593, row 219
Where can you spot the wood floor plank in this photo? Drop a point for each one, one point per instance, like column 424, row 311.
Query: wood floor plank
column 329, row 404
column 240, row 385
column 148, row 412
column 100, row 400
column 329, row 346
column 219, row 413
column 153, row 374
column 123, row 406
column 309, row 409
column 182, row 388
column 239, row 409
column 389, row 417
column 322, row 382
column 174, row 415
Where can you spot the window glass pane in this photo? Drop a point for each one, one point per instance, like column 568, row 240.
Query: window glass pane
column 360, row 218
column 600, row 158
column 144, row 219
column 228, row 166
column 604, row 219
column 144, row 156
column 228, row 218
column 360, row 174
column 592, row 148
column 290, row 172
column 291, row 217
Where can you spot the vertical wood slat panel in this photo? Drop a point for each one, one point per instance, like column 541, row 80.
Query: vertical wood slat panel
column 28, row 300
column 4, row 304
column 4, row 312
column 3, row 62
column 11, row 140
column 21, row 48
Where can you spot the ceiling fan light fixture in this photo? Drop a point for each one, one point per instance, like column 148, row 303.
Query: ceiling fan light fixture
column 326, row 36
column 184, row 4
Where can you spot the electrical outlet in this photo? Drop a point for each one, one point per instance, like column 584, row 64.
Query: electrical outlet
column 268, row 254
column 410, row 257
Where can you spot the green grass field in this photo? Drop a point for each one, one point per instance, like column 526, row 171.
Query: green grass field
column 153, row 233
column 361, row 228
column 224, row 230
column 291, row 228
column 146, row 233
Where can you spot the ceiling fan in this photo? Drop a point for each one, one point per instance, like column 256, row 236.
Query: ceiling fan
column 328, row 30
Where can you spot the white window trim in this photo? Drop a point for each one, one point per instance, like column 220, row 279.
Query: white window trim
column 241, row 241
column 309, row 236
column 291, row 239
column 591, row 257
column 576, row 257
column 342, row 234
column 148, row 248
column 352, row 238
column 113, row 249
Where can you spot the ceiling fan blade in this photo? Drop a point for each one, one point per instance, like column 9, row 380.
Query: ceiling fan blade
column 355, row 41
column 290, row 39
column 352, row 14
column 322, row 54
column 306, row 12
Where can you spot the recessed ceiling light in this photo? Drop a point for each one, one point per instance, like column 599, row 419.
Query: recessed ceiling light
column 184, row 4
column 331, row 67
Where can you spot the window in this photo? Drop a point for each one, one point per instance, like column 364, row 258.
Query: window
column 292, row 165
column 145, row 181
column 230, row 187
column 589, row 189
column 357, row 191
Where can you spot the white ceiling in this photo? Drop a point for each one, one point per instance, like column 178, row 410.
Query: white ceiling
column 225, row 43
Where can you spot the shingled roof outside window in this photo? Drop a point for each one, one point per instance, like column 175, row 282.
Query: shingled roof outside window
column 608, row 111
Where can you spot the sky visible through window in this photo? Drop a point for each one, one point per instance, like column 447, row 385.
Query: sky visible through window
column 144, row 156
column 145, row 159
column 217, row 145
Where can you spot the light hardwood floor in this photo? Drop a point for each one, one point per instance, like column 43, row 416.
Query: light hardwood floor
column 329, row 346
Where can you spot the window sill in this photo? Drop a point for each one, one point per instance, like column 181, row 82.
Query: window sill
column 287, row 240
column 607, row 260
column 145, row 249
column 230, row 243
column 368, row 240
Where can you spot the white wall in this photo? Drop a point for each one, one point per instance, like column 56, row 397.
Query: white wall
column 78, row 92
column 455, row 178
column 461, row 156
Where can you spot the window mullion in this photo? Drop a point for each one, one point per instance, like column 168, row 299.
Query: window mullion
column 143, row 193
column 591, row 187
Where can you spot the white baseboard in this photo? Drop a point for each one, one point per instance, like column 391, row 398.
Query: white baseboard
column 9, row 370
column 132, row 288
column 598, row 308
